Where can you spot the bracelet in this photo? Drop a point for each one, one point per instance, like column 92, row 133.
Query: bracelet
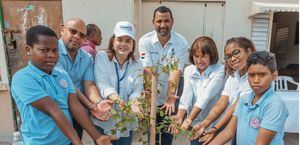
column 97, row 102
column 215, row 128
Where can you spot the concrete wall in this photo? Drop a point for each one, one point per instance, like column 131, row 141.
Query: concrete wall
column 289, row 20
column 104, row 13
column 236, row 22
column 6, row 115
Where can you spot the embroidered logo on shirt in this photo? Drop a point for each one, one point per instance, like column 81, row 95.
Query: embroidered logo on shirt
column 63, row 83
column 255, row 121
column 143, row 54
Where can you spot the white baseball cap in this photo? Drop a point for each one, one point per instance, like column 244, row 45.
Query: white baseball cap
column 124, row 28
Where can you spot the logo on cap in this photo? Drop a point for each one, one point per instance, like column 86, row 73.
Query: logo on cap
column 126, row 28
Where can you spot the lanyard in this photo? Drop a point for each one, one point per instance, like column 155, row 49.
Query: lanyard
column 118, row 77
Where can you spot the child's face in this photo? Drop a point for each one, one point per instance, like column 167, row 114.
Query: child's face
column 236, row 57
column 201, row 61
column 260, row 78
column 44, row 54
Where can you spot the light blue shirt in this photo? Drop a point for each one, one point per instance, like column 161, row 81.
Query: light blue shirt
column 81, row 69
column 31, row 84
column 202, row 91
column 130, row 85
column 153, row 54
column 236, row 86
column 269, row 112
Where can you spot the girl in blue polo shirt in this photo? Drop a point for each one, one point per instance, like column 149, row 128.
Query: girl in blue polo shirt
column 259, row 117
column 118, row 76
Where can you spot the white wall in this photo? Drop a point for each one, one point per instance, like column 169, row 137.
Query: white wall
column 104, row 13
column 237, row 22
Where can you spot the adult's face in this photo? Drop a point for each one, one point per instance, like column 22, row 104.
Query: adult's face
column 162, row 23
column 73, row 34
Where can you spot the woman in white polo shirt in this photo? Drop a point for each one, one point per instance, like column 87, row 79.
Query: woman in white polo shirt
column 118, row 77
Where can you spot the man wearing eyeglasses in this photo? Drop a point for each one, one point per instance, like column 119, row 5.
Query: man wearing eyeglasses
column 80, row 67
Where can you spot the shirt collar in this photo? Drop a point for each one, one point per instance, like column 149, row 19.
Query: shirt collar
column 268, row 92
column 170, row 41
column 39, row 71
column 89, row 43
column 196, row 73
column 237, row 75
column 114, row 59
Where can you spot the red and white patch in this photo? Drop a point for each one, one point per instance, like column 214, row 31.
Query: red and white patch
column 63, row 83
column 255, row 121
column 142, row 55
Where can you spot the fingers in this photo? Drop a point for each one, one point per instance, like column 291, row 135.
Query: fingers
column 112, row 137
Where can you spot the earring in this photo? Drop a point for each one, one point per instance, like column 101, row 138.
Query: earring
column 28, row 53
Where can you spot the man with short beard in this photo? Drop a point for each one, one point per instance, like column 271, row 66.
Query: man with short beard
column 80, row 67
column 155, row 48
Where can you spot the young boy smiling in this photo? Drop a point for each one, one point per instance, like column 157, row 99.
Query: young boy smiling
column 46, row 98
column 260, row 117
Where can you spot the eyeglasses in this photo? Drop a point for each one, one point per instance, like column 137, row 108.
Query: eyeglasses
column 74, row 32
column 236, row 53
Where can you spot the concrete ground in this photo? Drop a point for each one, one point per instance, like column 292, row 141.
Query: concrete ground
column 289, row 139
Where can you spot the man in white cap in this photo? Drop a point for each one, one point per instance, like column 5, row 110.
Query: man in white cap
column 155, row 48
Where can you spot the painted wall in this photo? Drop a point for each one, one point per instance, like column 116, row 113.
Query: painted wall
column 289, row 20
column 236, row 19
column 104, row 13
column 6, row 115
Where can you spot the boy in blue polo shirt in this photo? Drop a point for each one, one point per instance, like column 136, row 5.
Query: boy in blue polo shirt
column 260, row 117
column 46, row 98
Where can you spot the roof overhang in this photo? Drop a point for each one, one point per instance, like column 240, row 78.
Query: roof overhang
column 268, row 6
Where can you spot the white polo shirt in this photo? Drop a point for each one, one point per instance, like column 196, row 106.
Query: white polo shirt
column 152, row 53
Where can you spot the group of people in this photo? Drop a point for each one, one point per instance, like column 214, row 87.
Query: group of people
column 68, row 86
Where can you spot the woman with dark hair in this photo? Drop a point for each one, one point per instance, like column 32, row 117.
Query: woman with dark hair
column 118, row 76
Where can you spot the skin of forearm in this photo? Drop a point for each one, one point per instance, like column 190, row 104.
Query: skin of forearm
column 195, row 111
column 226, row 118
column 82, row 117
column 173, row 81
column 226, row 134
column 91, row 91
column 216, row 111
column 83, row 99
column 181, row 113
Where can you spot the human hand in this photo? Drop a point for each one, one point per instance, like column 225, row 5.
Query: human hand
column 199, row 129
column 95, row 111
column 174, row 126
column 186, row 124
column 105, row 105
column 105, row 140
column 208, row 136
column 136, row 107
column 169, row 106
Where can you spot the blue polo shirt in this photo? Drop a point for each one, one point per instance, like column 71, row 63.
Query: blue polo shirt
column 31, row 84
column 81, row 69
column 269, row 112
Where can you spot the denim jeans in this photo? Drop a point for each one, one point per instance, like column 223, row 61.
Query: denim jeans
column 121, row 140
